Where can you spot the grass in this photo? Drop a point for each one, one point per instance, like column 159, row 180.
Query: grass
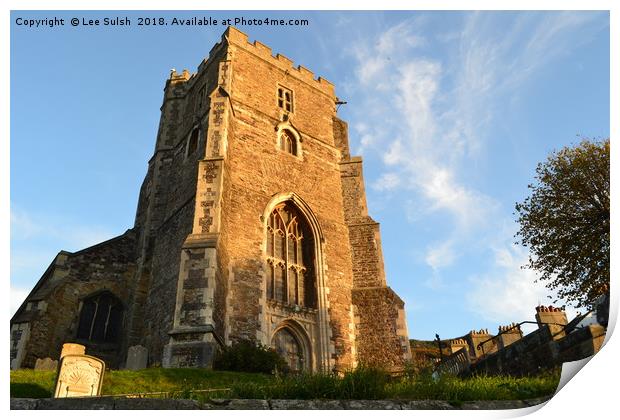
column 358, row 384
column 476, row 388
column 28, row 383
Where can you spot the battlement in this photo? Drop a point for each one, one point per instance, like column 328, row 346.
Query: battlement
column 233, row 36
column 240, row 39
column 179, row 78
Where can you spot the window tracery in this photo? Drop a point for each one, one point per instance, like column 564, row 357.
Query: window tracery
column 290, row 277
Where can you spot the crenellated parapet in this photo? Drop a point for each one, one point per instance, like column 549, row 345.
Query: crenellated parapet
column 233, row 36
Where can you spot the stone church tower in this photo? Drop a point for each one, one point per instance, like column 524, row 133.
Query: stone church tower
column 251, row 224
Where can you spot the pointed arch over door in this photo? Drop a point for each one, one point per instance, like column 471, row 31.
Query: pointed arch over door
column 292, row 343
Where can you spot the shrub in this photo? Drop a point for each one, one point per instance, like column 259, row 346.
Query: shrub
column 246, row 356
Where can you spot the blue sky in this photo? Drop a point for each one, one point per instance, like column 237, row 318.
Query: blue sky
column 450, row 111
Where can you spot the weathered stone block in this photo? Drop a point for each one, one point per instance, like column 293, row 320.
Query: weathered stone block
column 372, row 405
column 24, row 403
column 155, row 404
column 305, row 405
column 493, row 405
column 189, row 354
column 426, row 405
column 97, row 403
column 249, row 404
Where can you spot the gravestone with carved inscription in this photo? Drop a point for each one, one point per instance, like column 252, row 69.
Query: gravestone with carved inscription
column 136, row 358
column 79, row 376
column 46, row 364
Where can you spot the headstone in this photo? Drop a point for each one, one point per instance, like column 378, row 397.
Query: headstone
column 72, row 348
column 79, row 376
column 136, row 358
column 46, row 364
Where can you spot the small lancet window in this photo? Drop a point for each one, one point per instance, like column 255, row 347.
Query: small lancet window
column 201, row 98
column 288, row 142
column 285, row 99
column 192, row 142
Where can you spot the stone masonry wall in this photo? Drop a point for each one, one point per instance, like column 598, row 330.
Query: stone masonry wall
column 376, row 318
column 111, row 403
column 380, row 321
column 73, row 277
column 161, row 299
column 541, row 350
column 170, row 202
column 257, row 170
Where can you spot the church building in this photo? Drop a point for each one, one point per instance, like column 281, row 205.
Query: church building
column 251, row 224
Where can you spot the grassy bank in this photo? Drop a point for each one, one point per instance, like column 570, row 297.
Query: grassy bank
column 360, row 384
column 40, row 384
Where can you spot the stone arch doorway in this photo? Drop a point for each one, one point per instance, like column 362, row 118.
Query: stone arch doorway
column 290, row 342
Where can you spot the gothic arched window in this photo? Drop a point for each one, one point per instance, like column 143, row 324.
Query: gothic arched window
column 288, row 142
column 192, row 141
column 101, row 318
column 290, row 256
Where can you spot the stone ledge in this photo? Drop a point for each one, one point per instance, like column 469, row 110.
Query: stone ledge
column 110, row 403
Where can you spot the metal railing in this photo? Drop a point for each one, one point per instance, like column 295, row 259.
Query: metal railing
column 480, row 346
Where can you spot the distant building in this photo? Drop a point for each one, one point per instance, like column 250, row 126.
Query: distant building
column 556, row 341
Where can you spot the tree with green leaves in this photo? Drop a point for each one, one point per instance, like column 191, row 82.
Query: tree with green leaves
column 565, row 222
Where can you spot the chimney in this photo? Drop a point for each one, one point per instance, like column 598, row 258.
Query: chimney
column 509, row 334
column 552, row 317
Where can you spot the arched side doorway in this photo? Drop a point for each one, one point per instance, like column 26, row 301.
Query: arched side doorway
column 290, row 341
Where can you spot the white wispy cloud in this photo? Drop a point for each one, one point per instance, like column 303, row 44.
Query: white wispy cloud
column 435, row 112
column 506, row 292
column 387, row 182
column 440, row 255
column 26, row 226
column 35, row 241
column 376, row 57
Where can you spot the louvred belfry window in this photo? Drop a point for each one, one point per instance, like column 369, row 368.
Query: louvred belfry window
column 290, row 257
